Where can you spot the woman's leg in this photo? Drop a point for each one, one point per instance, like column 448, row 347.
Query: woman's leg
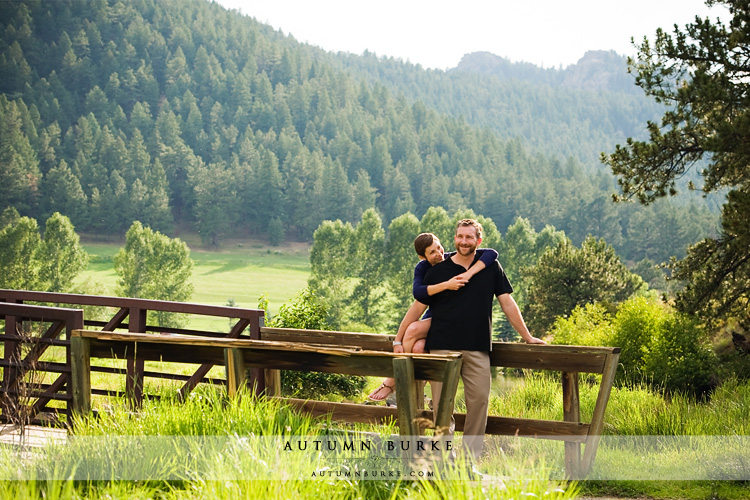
column 413, row 341
column 415, row 335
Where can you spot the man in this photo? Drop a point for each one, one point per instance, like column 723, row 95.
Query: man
column 462, row 321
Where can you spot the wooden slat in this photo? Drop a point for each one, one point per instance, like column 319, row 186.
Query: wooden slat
column 41, row 366
column 235, row 370
column 80, row 359
column 257, row 353
column 448, row 395
column 581, row 359
column 366, row 341
column 504, row 426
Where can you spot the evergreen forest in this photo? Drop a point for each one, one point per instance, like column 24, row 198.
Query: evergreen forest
column 188, row 117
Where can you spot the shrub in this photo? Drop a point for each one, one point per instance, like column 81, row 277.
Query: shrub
column 679, row 358
column 637, row 322
column 587, row 325
column 660, row 346
column 307, row 312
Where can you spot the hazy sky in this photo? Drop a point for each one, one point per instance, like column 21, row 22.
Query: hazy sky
column 437, row 33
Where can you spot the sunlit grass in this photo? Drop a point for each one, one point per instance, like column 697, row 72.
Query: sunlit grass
column 240, row 273
column 235, row 470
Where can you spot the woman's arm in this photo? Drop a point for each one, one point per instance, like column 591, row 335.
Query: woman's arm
column 486, row 257
column 423, row 292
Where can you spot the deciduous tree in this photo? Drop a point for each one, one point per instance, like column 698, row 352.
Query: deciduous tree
column 153, row 266
column 566, row 277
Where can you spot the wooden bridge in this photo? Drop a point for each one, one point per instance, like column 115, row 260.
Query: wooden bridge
column 251, row 349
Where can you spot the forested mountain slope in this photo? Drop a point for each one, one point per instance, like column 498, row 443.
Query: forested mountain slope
column 576, row 112
column 171, row 112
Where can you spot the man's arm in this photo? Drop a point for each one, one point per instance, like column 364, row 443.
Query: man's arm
column 416, row 310
column 513, row 313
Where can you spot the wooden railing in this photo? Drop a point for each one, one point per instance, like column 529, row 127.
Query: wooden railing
column 131, row 315
column 569, row 360
column 312, row 350
column 21, row 399
column 239, row 354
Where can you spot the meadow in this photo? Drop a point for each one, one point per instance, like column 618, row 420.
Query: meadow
column 243, row 272
column 239, row 273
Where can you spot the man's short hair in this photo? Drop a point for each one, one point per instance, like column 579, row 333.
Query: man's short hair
column 470, row 222
column 422, row 241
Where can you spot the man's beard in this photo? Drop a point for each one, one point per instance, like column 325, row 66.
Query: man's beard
column 464, row 251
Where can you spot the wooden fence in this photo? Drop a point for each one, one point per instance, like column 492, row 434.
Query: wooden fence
column 128, row 314
column 570, row 361
column 239, row 354
column 267, row 350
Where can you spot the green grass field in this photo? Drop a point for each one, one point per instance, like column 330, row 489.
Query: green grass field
column 241, row 271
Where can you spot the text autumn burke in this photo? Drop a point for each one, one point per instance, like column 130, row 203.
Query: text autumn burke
column 369, row 445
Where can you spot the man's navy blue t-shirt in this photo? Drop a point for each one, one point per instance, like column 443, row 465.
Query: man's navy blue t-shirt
column 462, row 319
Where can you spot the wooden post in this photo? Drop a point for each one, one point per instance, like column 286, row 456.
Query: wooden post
column 273, row 382
column 135, row 366
column 403, row 372
column 597, row 419
column 71, row 325
column 257, row 377
column 448, row 395
column 235, row 369
column 80, row 374
column 571, row 413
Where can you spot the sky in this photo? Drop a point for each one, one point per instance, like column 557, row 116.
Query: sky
column 437, row 33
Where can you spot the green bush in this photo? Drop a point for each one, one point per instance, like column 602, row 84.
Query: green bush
column 679, row 359
column 637, row 323
column 587, row 325
column 659, row 346
column 307, row 312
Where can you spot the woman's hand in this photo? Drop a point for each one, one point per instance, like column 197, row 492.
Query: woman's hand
column 456, row 282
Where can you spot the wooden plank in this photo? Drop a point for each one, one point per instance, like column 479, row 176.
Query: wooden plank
column 80, row 378
column 347, row 412
column 135, row 364
column 597, row 419
column 571, row 413
column 366, row 341
column 502, row 426
column 258, row 353
column 581, row 359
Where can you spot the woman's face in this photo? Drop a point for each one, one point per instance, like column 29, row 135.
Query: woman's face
column 434, row 253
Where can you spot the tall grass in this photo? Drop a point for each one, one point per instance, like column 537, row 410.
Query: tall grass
column 131, row 443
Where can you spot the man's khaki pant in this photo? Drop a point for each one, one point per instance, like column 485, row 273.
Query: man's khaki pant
column 475, row 372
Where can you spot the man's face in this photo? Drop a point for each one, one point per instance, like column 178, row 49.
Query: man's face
column 434, row 253
column 466, row 240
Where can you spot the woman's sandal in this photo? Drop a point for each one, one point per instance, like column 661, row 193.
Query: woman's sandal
column 389, row 388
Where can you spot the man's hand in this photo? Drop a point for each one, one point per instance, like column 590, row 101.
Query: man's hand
column 534, row 340
column 398, row 349
column 513, row 314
